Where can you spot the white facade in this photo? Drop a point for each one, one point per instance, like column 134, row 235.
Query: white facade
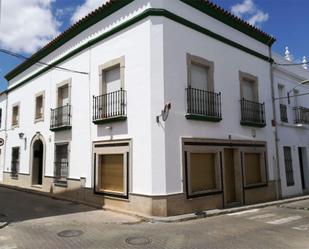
column 153, row 56
column 292, row 133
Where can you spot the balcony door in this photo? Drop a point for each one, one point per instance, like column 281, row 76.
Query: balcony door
column 111, row 98
column 111, row 82
column 248, row 90
column 63, row 109
column 63, row 96
column 199, row 77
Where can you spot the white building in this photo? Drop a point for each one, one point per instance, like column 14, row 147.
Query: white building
column 96, row 134
column 292, row 125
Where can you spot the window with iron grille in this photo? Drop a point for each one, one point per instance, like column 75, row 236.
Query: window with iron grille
column 288, row 166
column 15, row 162
column 15, row 115
column 61, row 163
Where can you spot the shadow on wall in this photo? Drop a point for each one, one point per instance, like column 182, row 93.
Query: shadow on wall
column 112, row 129
column 20, row 206
column 61, row 136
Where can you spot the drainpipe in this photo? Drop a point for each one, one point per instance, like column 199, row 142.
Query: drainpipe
column 277, row 164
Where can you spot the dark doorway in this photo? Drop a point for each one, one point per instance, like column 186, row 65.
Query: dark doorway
column 301, row 166
column 37, row 162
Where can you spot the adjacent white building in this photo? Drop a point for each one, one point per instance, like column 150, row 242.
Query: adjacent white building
column 292, row 108
column 90, row 126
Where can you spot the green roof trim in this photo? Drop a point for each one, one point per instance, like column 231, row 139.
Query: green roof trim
column 132, row 21
column 231, row 20
column 86, row 22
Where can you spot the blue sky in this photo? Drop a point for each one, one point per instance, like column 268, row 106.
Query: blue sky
column 285, row 19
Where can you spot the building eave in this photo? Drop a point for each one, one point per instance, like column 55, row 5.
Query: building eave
column 231, row 20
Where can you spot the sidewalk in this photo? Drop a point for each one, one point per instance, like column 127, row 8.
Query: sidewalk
column 301, row 202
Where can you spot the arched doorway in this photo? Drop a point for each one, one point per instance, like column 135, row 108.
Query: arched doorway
column 37, row 161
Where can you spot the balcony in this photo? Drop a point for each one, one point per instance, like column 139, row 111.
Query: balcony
column 61, row 172
column 252, row 113
column 203, row 105
column 60, row 118
column 283, row 113
column 301, row 115
column 110, row 107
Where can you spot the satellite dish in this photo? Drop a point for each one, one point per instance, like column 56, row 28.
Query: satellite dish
column 166, row 111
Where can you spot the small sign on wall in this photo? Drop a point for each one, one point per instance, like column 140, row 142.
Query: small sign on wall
column 1, row 141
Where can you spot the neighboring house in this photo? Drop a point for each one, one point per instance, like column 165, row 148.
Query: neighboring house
column 292, row 126
column 96, row 134
column 2, row 132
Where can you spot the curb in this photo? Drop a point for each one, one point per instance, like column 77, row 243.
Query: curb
column 171, row 219
column 218, row 212
column 3, row 224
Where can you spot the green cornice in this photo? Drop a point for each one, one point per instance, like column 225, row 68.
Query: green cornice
column 132, row 21
column 223, row 16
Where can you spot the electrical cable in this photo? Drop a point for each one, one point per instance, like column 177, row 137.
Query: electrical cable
column 22, row 57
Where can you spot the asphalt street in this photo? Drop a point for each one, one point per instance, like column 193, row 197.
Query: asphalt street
column 39, row 222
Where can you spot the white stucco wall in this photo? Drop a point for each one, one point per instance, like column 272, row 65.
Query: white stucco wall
column 155, row 73
column 290, row 134
column 133, row 45
column 228, row 61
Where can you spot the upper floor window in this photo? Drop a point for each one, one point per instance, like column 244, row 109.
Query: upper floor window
column 15, row 115
column 39, row 106
column 202, row 102
column 112, row 82
column 249, row 87
column 282, row 104
column 112, row 76
column 63, row 95
column 61, row 115
column 110, row 105
column 200, row 73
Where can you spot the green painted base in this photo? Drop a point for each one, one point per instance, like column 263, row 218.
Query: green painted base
column 110, row 120
column 61, row 128
column 252, row 124
column 203, row 118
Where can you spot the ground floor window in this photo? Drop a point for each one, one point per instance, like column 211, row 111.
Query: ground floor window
column 288, row 166
column 254, row 168
column 111, row 169
column 203, row 172
column 15, row 162
column 61, row 162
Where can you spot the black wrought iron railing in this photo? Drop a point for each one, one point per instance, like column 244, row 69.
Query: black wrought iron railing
column 252, row 113
column 283, row 113
column 301, row 115
column 60, row 117
column 110, row 105
column 203, row 103
column 61, row 171
column 14, row 168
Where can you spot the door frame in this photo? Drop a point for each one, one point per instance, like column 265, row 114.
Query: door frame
column 36, row 137
column 239, row 193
